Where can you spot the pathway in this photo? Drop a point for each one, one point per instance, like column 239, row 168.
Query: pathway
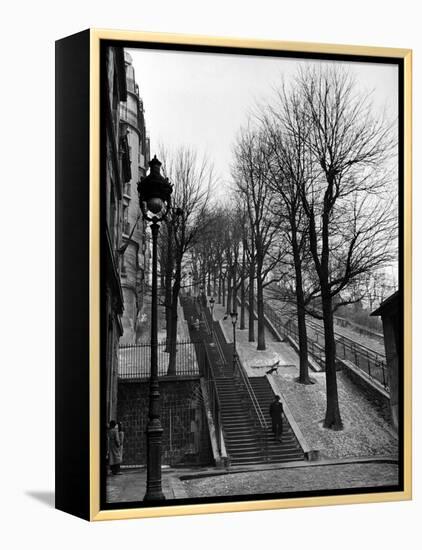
column 293, row 479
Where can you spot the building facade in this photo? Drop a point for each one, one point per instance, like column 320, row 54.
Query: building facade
column 390, row 313
column 135, row 256
column 117, row 174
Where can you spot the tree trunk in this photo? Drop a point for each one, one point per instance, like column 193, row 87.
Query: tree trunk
column 303, row 338
column 332, row 415
column 168, row 282
column 301, row 316
column 242, row 293
column 251, row 325
column 260, row 310
column 171, row 370
column 209, row 282
column 234, row 285
column 229, row 295
column 219, row 289
column 224, row 292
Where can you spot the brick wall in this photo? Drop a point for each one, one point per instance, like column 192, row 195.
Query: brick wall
column 185, row 437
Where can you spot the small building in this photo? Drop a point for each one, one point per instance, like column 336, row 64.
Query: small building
column 390, row 313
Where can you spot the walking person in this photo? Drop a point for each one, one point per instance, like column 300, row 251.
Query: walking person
column 276, row 413
column 114, row 454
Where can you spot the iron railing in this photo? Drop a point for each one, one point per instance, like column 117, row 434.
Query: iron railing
column 214, row 400
column 314, row 348
column 363, row 357
column 241, row 375
column 242, row 379
column 135, row 360
column 258, row 416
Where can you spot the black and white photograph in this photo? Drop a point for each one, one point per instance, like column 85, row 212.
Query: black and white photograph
column 251, row 275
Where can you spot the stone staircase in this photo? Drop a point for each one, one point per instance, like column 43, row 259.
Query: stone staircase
column 288, row 449
column 246, row 440
column 240, row 435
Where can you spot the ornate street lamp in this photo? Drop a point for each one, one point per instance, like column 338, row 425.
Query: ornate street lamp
column 154, row 198
column 233, row 316
column 212, row 302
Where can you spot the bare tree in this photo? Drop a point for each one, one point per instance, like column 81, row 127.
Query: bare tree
column 350, row 220
column 250, row 174
column 286, row 129
column 193, row 181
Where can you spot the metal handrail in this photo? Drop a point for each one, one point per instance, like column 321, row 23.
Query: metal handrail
column 249, row 389
column 263, row 427
column 220, row 351
column 215, row 339
column 204, row 317
column 349, row 340
column 214, row 399
column 374, row 360
column 361, row 354
column 370, row 351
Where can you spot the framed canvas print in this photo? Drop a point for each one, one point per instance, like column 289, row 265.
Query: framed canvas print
column 233, row 274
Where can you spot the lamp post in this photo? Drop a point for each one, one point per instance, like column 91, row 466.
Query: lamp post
column 154, row 198
column 233, row 316
column 212, row 302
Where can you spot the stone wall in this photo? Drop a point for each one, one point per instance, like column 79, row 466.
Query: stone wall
column 185, row 438
column 378, row 398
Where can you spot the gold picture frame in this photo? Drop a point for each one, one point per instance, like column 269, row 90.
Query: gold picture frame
column 137, row 38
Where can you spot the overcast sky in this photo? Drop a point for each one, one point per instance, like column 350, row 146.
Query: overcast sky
column 202, row 100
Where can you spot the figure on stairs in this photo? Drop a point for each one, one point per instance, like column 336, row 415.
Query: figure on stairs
column 276, row 413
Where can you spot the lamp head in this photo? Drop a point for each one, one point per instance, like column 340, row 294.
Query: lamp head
column 154, row 191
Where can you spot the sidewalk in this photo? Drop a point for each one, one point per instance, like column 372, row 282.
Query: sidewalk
column 131, row 485
column 295, row 479
column 258, row 479
column 257, row 362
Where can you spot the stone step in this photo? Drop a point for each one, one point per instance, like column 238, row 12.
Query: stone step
column 243, row 443
column 240, row 435
column 245, row 455
column 244, row 451
column 239, row 428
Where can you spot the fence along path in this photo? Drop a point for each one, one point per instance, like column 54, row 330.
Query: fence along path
column 364, row 358
column 135, row 360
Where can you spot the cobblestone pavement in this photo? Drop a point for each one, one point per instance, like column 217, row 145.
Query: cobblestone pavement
column 366, row 432
column 203, row 482
column 131, row 484
column 307, row 478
